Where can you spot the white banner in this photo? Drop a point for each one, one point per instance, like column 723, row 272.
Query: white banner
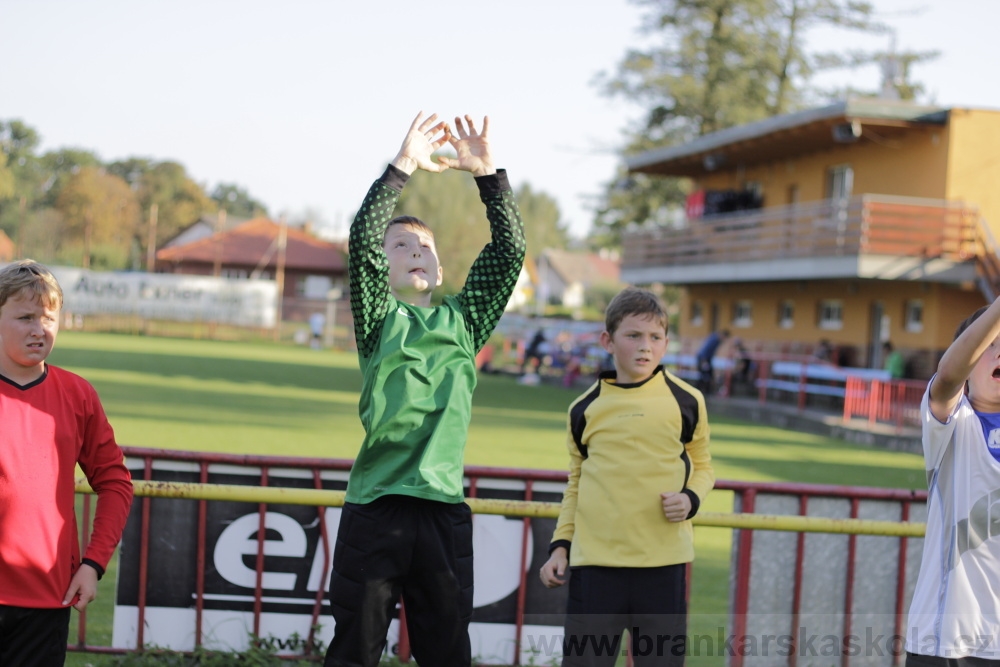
column 168, row 296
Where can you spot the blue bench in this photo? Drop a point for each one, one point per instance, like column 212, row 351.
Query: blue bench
column 685, row 366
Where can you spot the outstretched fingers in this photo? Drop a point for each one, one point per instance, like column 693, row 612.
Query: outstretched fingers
column 471, row 125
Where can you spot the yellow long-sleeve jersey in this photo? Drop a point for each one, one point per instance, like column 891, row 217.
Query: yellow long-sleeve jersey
column 627, row 445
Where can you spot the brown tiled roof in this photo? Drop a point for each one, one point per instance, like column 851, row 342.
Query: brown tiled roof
column 247, row 244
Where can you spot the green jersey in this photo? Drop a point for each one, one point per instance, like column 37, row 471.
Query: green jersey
column 418, row 364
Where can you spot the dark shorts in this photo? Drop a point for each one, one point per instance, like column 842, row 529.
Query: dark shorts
column 395, row 546
column 917, row 660
column 650, row 603
column 33, row 637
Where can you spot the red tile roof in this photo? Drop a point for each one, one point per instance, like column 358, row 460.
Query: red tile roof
column 249, row 243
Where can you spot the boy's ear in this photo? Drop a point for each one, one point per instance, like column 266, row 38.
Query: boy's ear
column 605, row 341
column 440, row 276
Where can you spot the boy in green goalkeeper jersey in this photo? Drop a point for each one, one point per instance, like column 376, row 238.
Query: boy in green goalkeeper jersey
column 405, row 528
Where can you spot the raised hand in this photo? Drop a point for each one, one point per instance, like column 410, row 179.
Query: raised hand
column 472, row 148
column 420, row 143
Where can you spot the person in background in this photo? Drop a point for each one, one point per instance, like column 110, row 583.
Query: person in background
column 894, row 362
column 824, row 351
column 706, row 374
column 317, row 322
column 741, row 362
column 534, row 352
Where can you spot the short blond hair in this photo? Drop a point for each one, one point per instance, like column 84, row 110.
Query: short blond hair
column 634, row 301
column 30, row 278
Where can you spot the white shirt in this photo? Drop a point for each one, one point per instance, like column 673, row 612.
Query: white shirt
column 955, row 611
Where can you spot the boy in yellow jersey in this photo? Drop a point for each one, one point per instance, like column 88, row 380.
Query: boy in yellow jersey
column 639, row 470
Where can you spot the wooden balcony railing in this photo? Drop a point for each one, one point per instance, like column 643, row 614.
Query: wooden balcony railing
column 862, row 225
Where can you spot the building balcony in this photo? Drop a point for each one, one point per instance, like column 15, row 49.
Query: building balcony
column 867, row 237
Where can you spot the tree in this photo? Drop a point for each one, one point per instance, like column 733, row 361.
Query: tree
column 237, row 201
column 58, row 167
column 719, row 63
column 19, row 175
column 543, row 227
column 100, row 213
column 179, row 199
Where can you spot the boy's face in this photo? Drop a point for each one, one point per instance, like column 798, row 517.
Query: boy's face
column 637, row 346
column 984, row 381
column 414, row 271
column 28, row 331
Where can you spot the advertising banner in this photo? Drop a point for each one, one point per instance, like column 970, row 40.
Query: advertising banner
column 296, row 567
column 166, row 296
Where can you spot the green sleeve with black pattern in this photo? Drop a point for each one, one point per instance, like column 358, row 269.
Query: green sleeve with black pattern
column 367, row 264
column 494, row 274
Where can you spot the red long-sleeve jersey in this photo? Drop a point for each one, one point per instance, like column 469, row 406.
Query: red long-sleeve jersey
column 46, row 428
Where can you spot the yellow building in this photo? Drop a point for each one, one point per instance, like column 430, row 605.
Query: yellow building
column 860, row 222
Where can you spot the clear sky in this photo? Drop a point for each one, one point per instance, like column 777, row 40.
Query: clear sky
column 303, row 102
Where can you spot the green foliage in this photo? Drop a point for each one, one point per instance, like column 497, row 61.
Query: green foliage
column 261, row 652
column 99, row 214
column 237, row 201
column 543, row 226
column 66, row 204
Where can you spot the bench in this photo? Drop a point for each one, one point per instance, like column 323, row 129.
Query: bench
column 685, row 366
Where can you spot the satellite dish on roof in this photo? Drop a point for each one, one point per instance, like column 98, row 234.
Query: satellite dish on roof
column 847, row 133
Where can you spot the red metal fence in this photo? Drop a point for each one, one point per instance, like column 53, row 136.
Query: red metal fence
column 891, row 402
column 746, row 494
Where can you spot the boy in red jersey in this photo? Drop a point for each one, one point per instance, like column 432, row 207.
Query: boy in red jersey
column 51, row 420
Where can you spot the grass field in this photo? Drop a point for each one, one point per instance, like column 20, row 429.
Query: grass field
column 272, row 399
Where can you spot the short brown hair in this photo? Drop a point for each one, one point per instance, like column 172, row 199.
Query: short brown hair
column 634, row 301
column 410, row 221
column 33, row 279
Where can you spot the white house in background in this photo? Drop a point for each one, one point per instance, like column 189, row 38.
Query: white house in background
column 523, row 295
column 564, row 276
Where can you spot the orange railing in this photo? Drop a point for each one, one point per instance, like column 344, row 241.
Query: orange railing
column 866, row 224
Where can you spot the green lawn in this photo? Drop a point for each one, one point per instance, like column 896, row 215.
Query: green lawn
column 272, row 399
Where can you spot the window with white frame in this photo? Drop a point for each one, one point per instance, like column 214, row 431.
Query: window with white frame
column 831, row 314
column 786, row 314
column 914, row 316
column 697, row 317
column 743, row 314
column 839, row 182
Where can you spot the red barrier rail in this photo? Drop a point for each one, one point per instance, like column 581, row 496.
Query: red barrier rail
column 891, row 402
column 745, row 492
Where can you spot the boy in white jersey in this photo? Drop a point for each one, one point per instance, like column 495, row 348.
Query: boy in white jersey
column 954, row 617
